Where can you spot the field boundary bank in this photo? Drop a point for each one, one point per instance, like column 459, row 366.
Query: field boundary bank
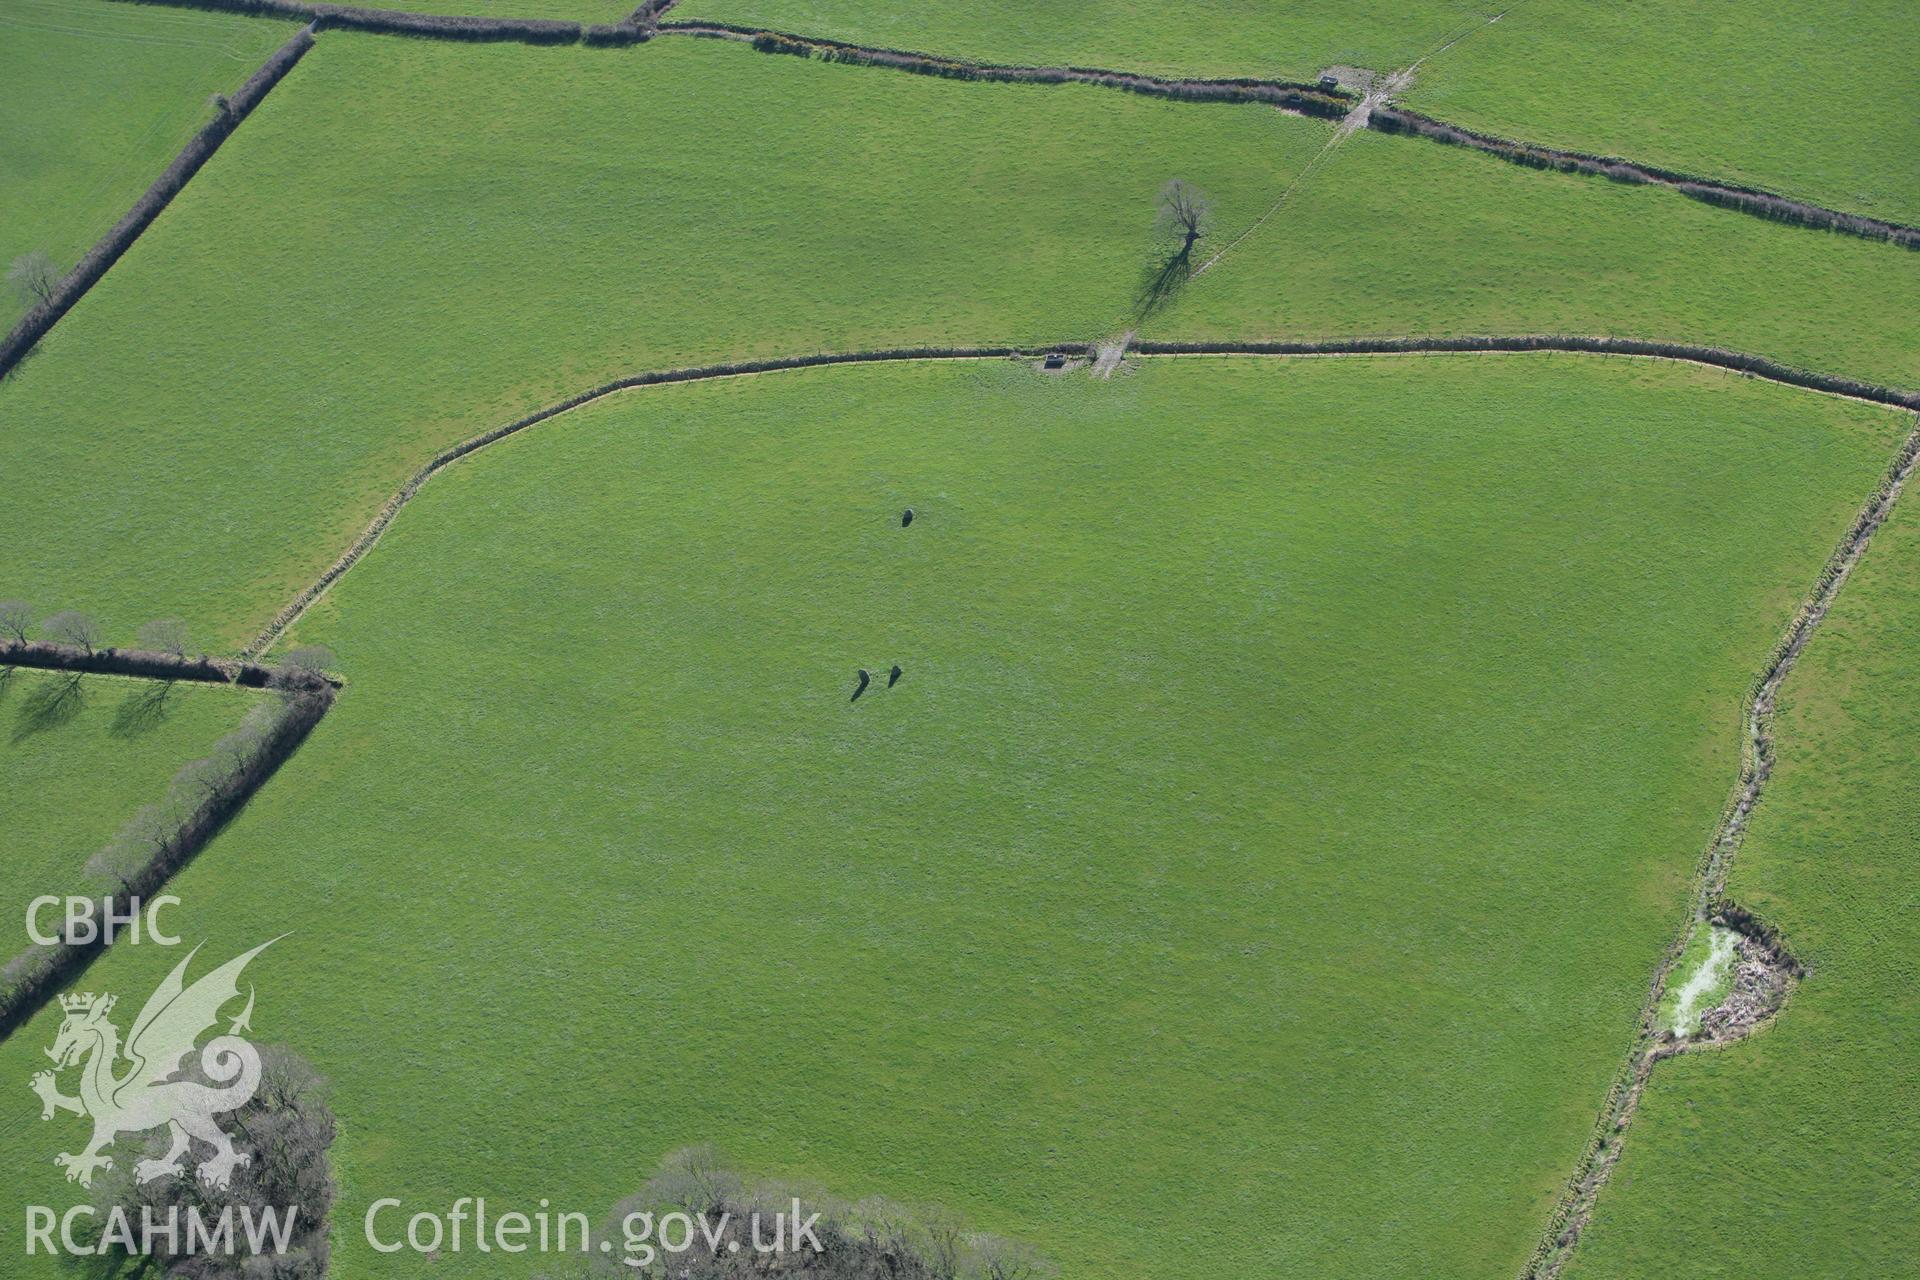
column 139, row 664
column 1714, row 357
column 143, row 664
column 35, row 974
column 1591, row 1173
column 636, row 28
column 1289, row 95
column 199, row 149
column 1755, row 201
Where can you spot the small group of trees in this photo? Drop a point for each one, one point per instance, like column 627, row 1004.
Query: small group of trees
column 79, row 630
column 286, row 1130
column 869, row 1240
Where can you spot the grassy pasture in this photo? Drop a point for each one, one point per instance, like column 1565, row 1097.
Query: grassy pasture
column 1792, row 1153
column 78, row 760
column 413, row 241
column 99, row 97
column 1296, row 771
column 1815, row 101
column 1396, row 235
column 1208, row 38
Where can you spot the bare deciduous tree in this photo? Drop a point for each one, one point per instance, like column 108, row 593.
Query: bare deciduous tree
column 287, row 1129
column 303, row 667
column 1185, row 213
column 70, row 626
column 15, row 617
column 33, row 278
column 165, row 635
column 872, row 1240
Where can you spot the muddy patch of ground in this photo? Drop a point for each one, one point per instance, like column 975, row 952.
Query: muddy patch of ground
column 1763, row 976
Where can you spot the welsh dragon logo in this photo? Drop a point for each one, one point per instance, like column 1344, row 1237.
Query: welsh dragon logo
column 144, row 1094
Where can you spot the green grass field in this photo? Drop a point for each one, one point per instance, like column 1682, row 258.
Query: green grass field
column 80, row 759
column 1814, row 101
column 360, row 276
column 1296, row 771
column 1793, row 1152
column 1212, row 38
column 79, row 145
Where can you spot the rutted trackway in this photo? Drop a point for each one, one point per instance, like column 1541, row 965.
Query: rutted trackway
column 1575, row 1208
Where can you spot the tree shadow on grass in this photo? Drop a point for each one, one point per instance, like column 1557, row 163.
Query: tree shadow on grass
column 1162, row 282
column 49, row 706
column 144, row 707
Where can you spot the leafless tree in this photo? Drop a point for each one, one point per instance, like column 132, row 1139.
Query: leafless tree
column 33, row 277
column 165, row 635
column 303, row 667
column 15, row 617
column 146, row 836
column 286, row 1130
column 1185, row 214
column 70, row 626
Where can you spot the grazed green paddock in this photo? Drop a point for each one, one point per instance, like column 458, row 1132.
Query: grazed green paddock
column 413, row 241
column 98, row 98
column 1792, row 1151
column 1296, row 770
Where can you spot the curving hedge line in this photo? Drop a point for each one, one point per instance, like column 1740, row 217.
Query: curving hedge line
column 90, row 268
column 391, row 508
column 1750, row 200
column 1758, row 366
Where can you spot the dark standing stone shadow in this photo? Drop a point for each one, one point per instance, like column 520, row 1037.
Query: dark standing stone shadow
column 893, row 676
column 906, row 517
column 1163, row 281
column 49, row 706
column 144, row 707
column 866, row 678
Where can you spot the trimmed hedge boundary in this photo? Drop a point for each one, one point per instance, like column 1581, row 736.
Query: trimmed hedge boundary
column 400, row 22
column 1575, row 1206
column 41, row 971
column 34, row 325
column 1738, row 362
column 1749, row 200
column 142, row 663
column 1302, row 99
column 635, row 28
